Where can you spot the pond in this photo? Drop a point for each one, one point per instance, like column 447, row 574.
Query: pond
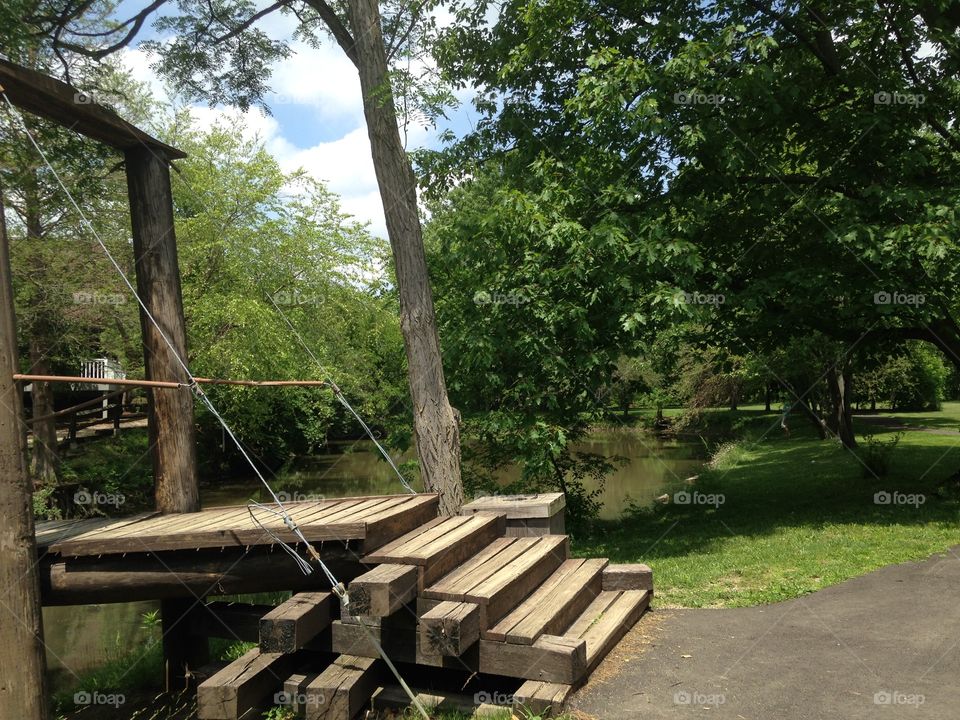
column 83, row 638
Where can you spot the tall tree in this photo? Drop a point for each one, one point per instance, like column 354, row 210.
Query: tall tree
column 218, row 52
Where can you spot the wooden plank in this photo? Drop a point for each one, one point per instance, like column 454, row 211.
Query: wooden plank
column 383, row 590
column 343, row 688
column 296, row 695
column 294, row 623
column 553, row 606
column 551, row 658
column 506, row 588
column 449, row 628
column 537, row 505
column 400, row 639
column 406, row 551
column 592, row 614
column 394, row 522
column 605, row 632
column 478, row 568
column 43, row 95
column 536, row 698
column 628, row 577
column 245, row 684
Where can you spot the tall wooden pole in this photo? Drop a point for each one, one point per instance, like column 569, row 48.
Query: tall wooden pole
column 172, row 431
column 23, row 692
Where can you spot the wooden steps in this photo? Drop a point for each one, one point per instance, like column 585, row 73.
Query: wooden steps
column 452, row 600
column 554, row 605
column 501, row 576
column 441, row 545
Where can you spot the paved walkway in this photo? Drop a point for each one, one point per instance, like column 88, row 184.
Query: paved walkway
column 886, row 645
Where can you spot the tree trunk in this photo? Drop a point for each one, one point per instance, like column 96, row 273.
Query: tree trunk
column 172, row 431
column 766, row 398
column 44, row 458
column 22, row 663
column 435, row 422
column 838, row 381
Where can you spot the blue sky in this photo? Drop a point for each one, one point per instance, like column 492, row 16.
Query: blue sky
column 317, row 117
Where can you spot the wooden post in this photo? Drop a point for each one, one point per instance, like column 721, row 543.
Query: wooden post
column 172, row 432
column 22, row 662
column 184, row 649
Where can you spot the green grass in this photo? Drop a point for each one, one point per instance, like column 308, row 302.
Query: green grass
column 797, row 516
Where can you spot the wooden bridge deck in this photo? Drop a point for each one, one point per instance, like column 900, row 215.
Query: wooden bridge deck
column 373, row 521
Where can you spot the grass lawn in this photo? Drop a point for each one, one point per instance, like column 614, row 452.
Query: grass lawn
column 797, row 514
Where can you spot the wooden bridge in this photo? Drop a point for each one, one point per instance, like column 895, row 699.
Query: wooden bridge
column 448, row 599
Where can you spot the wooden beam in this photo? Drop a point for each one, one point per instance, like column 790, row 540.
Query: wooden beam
column 55, row 100
column 343, row 688
column 383, row 590
column 22, row 659
column 449, row 628
column 172, row 429
column 294, row 623
column 628, row 577
column 540, row 699
column 81, row 581
column 230, row 620
column 551, row 659
column 184, row 647
column 248, row 683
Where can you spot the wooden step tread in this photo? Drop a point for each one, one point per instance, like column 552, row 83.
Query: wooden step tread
column 423, row 544
column 606, row 620
column 554, row 605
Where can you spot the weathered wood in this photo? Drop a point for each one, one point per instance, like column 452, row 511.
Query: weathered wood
column 296, row 695
column 343, row 688
column 246, row 684
column 449, row 628
column 628, row 577
column 184, row 648
column 443, row 546
column 392, row 700
column 171, row 425
column 22, row 660
column 551, row 658
column 541, row 699
column 294, row 623
column 400, row 640
column 499, row 577
column 50, row 98
column 157, row 576
column 607, row 620
column 527, row 515
column 383, row 590
column 553, row 606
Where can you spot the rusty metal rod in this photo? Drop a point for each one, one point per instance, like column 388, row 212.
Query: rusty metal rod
column 168, row 384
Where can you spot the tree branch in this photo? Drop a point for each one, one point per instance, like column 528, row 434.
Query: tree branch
column 339, row 31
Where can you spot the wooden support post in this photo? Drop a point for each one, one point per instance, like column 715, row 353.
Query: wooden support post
column 22, row 663
column 449, row 628
column 184, row 649
column 628, row 577
column 343, row 688
column 294, row 623
column 252, row 682
column 383, row 590
column 172, row 432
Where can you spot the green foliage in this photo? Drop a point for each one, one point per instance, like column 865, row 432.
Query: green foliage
column 119, row 466
column 876, row 454
column 914, row 378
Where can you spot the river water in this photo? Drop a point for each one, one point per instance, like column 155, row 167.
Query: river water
column 82, row 638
